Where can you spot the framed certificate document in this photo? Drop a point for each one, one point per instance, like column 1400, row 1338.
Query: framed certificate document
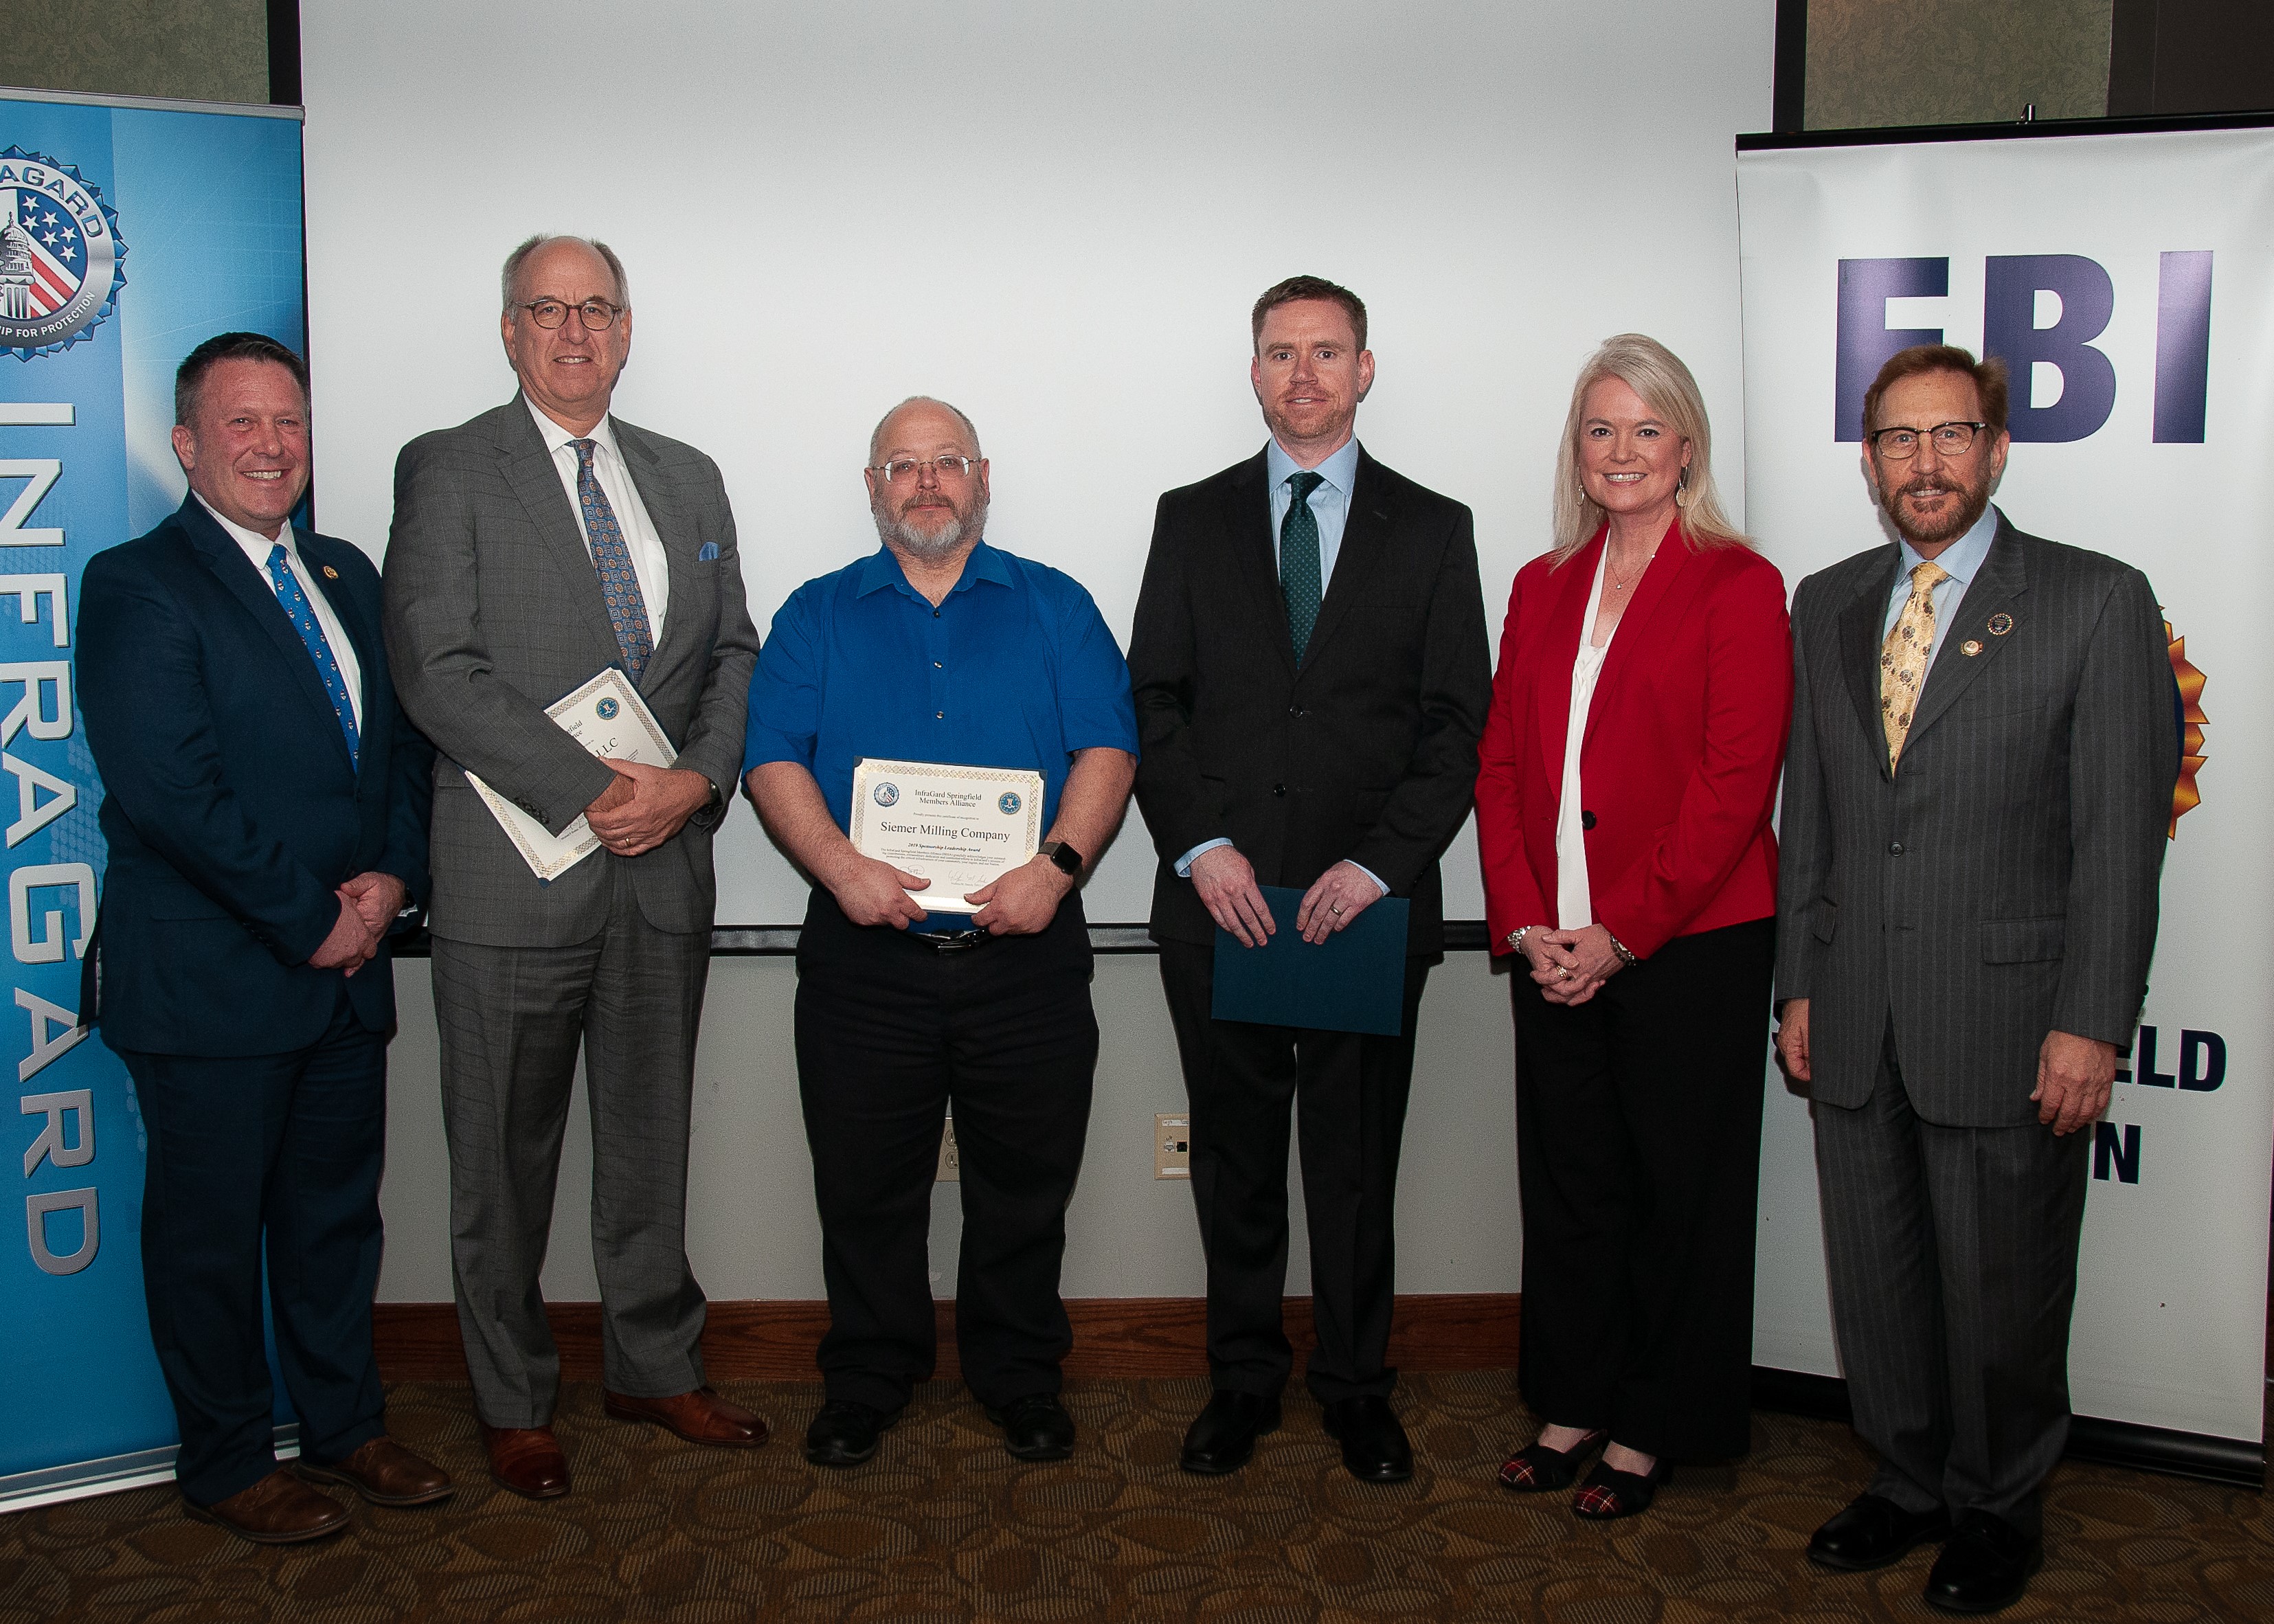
column 959, row 827
column 607, row 717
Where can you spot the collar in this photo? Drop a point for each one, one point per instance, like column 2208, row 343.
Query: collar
column 257, row 546
column 1339, row 470
column 1962, row 559
column 882, row 569
column 604, row 433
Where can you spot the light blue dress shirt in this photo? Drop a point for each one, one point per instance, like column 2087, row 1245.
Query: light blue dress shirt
column 1962, row 559
column 1330, row 501
column 1330, row 507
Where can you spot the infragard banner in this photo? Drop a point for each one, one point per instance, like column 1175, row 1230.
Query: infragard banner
column 128, row 233
column 2128, row 283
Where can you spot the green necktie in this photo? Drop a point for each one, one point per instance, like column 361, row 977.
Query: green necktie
column 1298, row 560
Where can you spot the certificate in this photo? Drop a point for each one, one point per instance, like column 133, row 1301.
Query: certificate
column 959, row 827
column 607, row 717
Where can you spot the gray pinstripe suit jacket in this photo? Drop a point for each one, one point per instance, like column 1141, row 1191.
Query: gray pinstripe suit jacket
column 2003, row 884
column 494, row 611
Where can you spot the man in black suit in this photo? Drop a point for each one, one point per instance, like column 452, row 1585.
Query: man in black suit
column 265, row 804
column 1311, row 678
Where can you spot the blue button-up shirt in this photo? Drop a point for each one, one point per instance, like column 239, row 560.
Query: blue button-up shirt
column 1016, row 668
column 1330, row 500
column 1962, row 559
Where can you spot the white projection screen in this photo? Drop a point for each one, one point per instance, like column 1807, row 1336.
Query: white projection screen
column 1056, row 216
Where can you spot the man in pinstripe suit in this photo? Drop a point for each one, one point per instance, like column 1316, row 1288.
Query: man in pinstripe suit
column 1975, row 807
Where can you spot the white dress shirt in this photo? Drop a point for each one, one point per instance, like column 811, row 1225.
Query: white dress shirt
column 1575, row 903
column 258, row 547
column 1961, row 561
column 650, row 568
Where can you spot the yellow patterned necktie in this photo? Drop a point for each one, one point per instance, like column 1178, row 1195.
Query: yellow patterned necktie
column 1903, row 656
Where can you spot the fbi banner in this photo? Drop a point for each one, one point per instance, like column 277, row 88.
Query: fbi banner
column 129, row 230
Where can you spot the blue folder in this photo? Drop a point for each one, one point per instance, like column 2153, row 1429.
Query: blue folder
column 1353, row 981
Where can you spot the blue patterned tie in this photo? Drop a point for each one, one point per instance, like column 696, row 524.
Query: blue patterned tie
column 626, row 609
column 1298, row 560
column 295, row 603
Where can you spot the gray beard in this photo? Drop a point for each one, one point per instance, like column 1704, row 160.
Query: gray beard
column 1969, row 513
column 930, row 547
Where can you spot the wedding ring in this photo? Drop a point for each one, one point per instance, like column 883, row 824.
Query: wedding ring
column 1560, row 971
column 1335, row 908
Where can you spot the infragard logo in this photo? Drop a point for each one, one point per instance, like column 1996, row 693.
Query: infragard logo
column 59, row 255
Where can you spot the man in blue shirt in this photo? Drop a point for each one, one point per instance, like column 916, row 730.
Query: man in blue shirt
column 938, row 648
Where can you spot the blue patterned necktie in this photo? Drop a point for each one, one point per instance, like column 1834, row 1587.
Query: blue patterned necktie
column 626, row 609
column 1298, row 560
column 296, row 608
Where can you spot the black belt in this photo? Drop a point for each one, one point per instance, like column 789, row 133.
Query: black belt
column 952, row 941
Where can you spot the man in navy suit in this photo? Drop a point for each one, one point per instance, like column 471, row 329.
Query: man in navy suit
column 266, row 809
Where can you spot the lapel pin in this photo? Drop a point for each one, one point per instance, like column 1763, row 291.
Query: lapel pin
column 1971, row 646
column 2001, row 623
column 330, row 574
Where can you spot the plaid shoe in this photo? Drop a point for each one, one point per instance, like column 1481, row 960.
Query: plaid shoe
column 1609, row 1493
column 1537, row 1469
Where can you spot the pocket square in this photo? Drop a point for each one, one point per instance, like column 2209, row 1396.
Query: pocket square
column 710, row 553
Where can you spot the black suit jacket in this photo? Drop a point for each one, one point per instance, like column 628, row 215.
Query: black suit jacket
column 229, row 802
column 1368, row 750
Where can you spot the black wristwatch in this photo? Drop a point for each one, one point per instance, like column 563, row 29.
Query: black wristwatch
column 1067, row 861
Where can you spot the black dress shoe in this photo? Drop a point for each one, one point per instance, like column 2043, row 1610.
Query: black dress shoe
column 1873, row 1532
column 1986, row 1566
column 1036, row 1427
column 1373, row 1444
column 1222, row 1436
column 844, row 1433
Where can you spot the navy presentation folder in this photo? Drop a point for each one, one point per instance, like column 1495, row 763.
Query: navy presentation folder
column 1353, row 981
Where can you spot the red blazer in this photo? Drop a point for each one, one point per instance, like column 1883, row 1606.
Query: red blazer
column 1685, row 740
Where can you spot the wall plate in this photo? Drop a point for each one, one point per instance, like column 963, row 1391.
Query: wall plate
column 1172, row 1146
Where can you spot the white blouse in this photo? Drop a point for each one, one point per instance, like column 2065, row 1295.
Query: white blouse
column 1574, row 907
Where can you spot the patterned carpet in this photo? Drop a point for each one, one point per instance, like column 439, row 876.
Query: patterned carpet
column 944, row 1526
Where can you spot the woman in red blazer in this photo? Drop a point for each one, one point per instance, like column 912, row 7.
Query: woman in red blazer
column 1628, row 774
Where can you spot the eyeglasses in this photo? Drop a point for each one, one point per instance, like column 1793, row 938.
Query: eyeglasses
column 596, row 314
column 1900, row 445
column 908, row 468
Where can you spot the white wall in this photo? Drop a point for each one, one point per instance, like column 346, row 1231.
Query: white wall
column 1055, row 215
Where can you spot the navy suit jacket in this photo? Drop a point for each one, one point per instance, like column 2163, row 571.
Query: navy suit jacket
column 230, row 805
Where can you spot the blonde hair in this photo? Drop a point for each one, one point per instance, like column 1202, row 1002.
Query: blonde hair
column 1657, row 374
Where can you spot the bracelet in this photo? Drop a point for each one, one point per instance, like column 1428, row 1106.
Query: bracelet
column 1620, row 948
column 1514, row 938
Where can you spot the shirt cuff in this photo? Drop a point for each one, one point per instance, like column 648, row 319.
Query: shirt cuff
column 1369, row 873
column 1184, row 865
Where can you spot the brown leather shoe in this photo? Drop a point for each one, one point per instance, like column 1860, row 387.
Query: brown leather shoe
column 527, row 1459
column 701, row 1417
column 278, row 1510
column 386, row 1474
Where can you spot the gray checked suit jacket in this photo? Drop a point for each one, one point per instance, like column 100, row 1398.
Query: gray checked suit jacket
column 2002, row 883
column 494, row 611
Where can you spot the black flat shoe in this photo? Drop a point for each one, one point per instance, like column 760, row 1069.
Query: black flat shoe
column 1374, row 1449
column 1609, row 1493
column 1222, row 1438
column 1036, row 1427
column 1986, row 1567
column 1872, row 1532
column 844, row 1433
column 1537, row 1469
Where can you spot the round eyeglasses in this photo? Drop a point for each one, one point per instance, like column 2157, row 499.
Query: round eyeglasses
column 1951, row 439
column 596, row 314
column 908, row 468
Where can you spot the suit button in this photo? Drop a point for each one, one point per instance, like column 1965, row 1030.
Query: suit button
column 1586, row 820
column 1278, row 789
column 1894, row 848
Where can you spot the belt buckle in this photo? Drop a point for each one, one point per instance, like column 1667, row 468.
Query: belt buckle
column 955, row 941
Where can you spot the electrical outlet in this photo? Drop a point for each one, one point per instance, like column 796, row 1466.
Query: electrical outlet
column 949, row 1172
column 1172, row 1146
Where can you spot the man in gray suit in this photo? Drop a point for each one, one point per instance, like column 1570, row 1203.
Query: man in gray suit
column 1976, row 802
column 531, row 547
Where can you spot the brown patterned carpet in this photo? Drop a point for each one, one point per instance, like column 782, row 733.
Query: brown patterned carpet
column 944, row 1526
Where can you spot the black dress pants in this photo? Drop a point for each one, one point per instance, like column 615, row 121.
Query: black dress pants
column 276, row 1154
column 890, row 1030
column 1638, row 1134
column 1243, row 1082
